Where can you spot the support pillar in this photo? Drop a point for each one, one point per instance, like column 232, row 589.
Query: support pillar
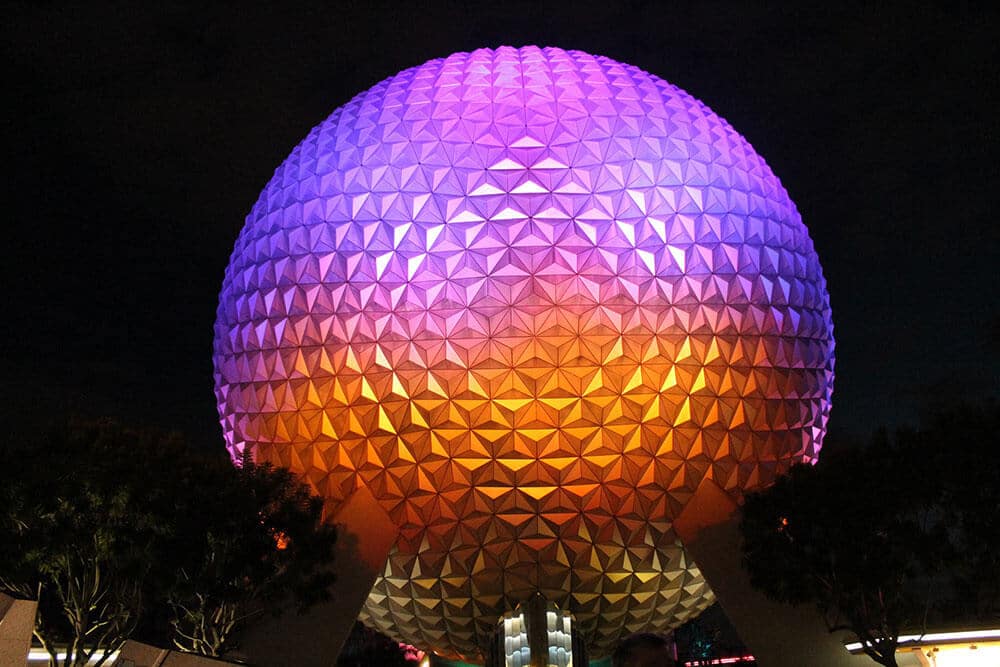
column 536, row 633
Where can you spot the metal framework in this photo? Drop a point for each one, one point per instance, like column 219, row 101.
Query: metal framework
column 529, row 298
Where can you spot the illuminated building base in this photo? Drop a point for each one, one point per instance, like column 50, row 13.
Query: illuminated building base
column 537, row 634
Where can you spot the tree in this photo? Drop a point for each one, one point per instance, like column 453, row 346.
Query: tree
column 861, row 535
column 961, row 445
column 109, row 526
column 365, row 647
column 708, row 637
column 702, row 643
column 77, row 533
column 257, row 542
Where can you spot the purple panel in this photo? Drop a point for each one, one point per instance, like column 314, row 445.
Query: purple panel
column 530, row 298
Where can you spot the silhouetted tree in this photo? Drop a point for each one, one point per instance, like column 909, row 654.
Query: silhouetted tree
column 861, row 535
column 962, row 447
column 366, row 647
column 256, row 540
column 708, row 637
column 702, row 643
column 77, row 532
column 105, row 524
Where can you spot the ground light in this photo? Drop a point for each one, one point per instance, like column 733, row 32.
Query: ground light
column 964, row 648
column 40, row 655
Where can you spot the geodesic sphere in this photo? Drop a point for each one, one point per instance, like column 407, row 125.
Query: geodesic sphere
column 530, row 299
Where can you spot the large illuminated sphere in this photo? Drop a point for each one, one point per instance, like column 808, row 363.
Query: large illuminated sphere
column 530, row 299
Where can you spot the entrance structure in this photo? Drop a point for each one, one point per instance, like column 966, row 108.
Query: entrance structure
column 529, row 299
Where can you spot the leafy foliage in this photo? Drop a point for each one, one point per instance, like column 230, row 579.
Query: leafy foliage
column 260, row 542
column 109, row 527
column 888, row 537
column 78, row 533
column 705, row 639
column 962, row 446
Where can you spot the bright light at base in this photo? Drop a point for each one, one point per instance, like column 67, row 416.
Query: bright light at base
column 964, row 656
column 964, row 648
column 40, row 655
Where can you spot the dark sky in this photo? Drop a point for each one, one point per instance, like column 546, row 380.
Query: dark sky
column 137, row 141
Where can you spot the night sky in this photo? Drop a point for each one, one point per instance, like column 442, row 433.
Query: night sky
column 137, row 141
